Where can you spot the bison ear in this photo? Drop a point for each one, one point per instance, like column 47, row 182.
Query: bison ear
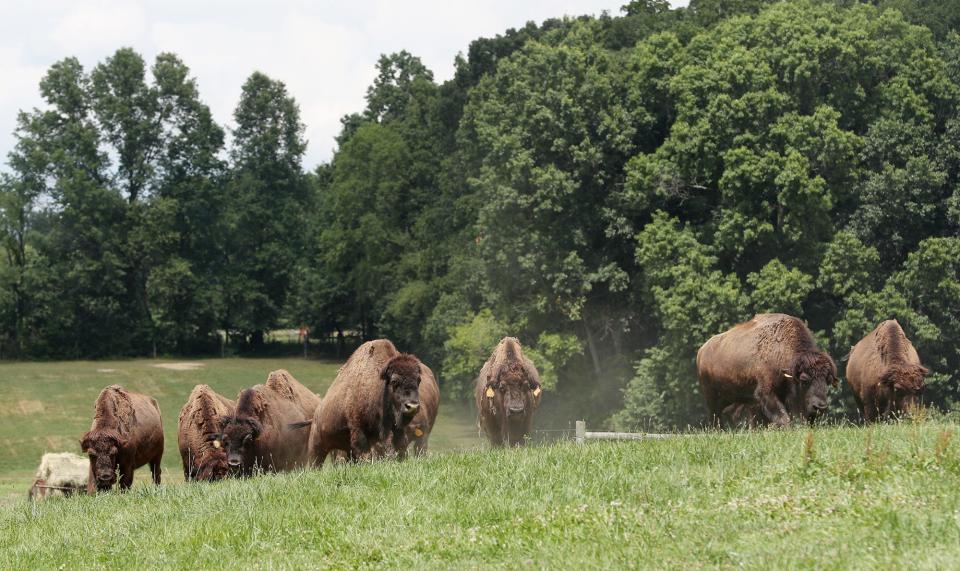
column 804, row 378
column 122, row 442
column 925, row 371
column 85, row 442
column 835, row 383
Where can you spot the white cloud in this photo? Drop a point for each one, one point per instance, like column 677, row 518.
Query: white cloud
column 324, row 51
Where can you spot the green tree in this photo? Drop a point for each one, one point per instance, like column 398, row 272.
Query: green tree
column 266, row 197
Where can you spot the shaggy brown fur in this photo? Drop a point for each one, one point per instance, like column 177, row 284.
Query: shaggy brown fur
column 258, row 435
column 885, row 373
column 374, row 397
column 507, row 394
column 418, row 431
column 126, row 433
column 198, row 434
column 770, row 361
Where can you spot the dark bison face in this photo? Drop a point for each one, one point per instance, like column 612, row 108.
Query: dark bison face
column 212, row 462
column 402, row 381
column 103, row 448
column 810, row 379
column 901, row 388
column 237, row 440
column 518, row 394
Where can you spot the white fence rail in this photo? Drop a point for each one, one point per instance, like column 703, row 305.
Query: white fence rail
column 582, row 435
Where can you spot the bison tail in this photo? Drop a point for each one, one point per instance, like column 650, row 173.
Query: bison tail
column 301, row 424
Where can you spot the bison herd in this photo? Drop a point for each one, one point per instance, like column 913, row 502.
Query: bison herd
column 380, row 403
column 768, row 370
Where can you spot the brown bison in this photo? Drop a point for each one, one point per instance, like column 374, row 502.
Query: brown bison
column 375, row 396
column 126, row 433
column 419, row 429
column 507, row 394
column 885, row 373
column 198, row 434
column 771, row 361
column 257, row 436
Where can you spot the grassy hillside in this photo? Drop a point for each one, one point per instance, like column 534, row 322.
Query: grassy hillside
column 47, row 406
column 877, row 497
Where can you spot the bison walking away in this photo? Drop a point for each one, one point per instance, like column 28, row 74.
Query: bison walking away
column 258, row 434
column 375, row 396
column 885, row 373
column 198, row 434
column 770, row 361
column 126, row 433
column 507, row 394
column 60, row 474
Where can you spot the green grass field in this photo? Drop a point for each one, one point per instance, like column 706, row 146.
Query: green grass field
column 48, row 406
column 837, row 498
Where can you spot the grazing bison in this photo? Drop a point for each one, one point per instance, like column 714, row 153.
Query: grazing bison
column 885, row 373
column 258, row 434
column 198, row 434
column 126, row 433
column 375, row 396
column 507, row 394
column 770, row 361
column 60, row 474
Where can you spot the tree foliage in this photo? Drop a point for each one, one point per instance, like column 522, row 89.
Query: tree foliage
column 611, row 190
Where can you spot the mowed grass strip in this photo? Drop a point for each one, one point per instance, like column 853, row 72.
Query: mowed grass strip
column 876, row 497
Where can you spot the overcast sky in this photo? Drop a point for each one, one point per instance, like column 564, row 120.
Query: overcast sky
column 323, row 50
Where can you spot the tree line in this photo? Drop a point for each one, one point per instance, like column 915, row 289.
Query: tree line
column 612, row 190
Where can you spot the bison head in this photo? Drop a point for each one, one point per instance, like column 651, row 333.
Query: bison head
column 517, row 393
column 211, row 463
column 810, row 377
column 401, row 379
column 103, row 448
column 901, row 388
column 237, row 439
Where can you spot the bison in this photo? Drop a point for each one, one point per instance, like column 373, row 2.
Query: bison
column 126, row 433
column 507, row 394
column 198, row 434
column 375, row 396
column 770, row 361
column 418, row 431
column 60, row 474
column 257, row 436
column 885, row 373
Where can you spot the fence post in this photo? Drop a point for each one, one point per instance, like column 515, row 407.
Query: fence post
column 581, row 434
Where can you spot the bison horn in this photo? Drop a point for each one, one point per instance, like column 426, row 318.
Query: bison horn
column 537, row 392
column 216, row 444
column 788, row 376
column 489, row 392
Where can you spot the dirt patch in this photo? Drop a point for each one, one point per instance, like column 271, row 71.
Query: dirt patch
column 106, row 370
column 178, row 366
column 30, row 407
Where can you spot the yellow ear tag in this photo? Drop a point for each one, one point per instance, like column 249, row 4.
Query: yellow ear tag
column 537, row 392
column 418, row 432
column 490, row 392
column 216, row 444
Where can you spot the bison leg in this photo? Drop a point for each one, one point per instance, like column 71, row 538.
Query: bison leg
column 359, row 444
column 420, row 445
column 155, row 470
column 400, row 443
column 126, row 477
column 773, row 409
